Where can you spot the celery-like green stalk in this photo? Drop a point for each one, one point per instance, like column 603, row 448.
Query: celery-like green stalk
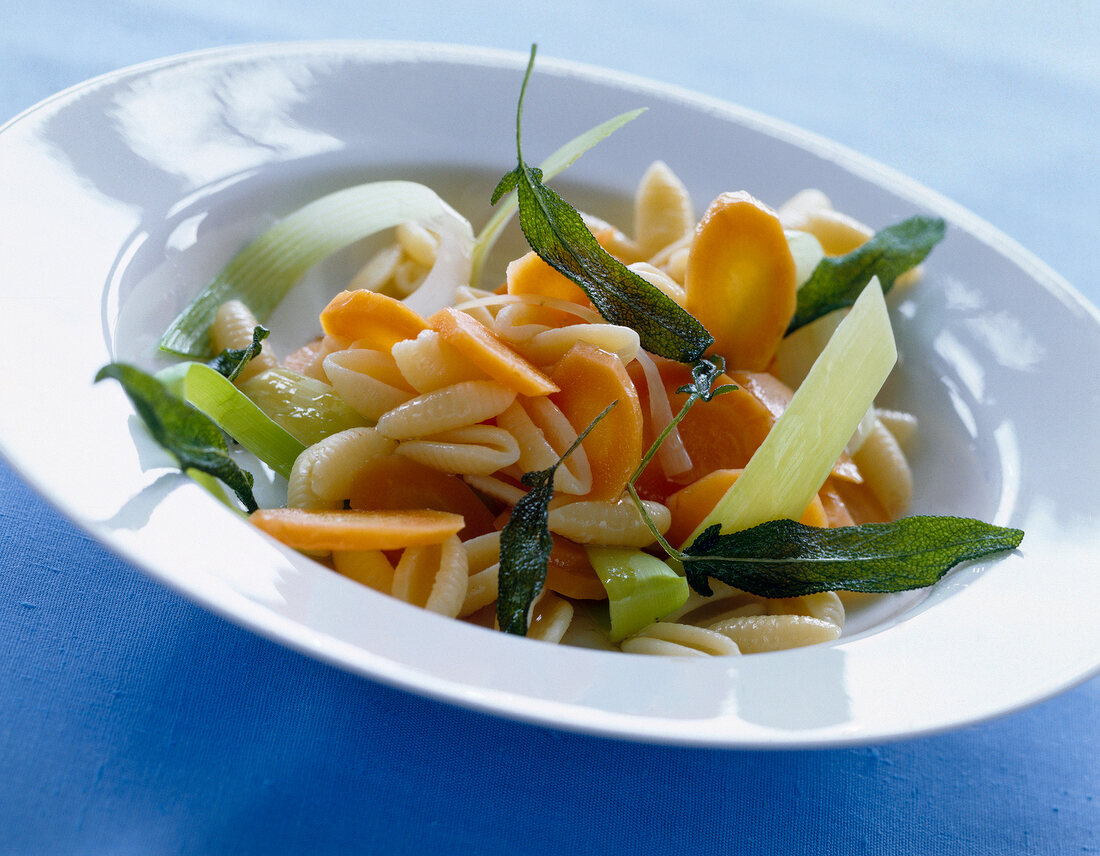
column 640, row 588
column 558, row 162
column 793, row 461
column 307, row 408
column 263, row 273
column 233, row 412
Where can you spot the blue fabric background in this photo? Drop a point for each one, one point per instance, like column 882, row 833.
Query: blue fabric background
column 132, row 721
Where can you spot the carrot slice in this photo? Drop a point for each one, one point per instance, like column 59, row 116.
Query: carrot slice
column 529, row 274
column 396, row 483
column 718, row 434
column 740, row 280
column 482, row 348
column 590, row 379
column 690, row 505
column 371, row 319
column 356, row 530
column 569, row 572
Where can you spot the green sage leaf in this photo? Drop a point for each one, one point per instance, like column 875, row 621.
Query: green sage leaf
column 837, row 282
column 555, row 231
column 231, row 362
column 525, row 543
column 783, row 558
column 185, row 433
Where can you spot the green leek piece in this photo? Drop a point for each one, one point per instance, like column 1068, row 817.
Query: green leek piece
column 554, row 165
column 308, row 409
column 793, row 461
column 262, row 274
column 234, row 413
column 640, row 588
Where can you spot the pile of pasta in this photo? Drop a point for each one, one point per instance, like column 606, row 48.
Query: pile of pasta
column 453, row 409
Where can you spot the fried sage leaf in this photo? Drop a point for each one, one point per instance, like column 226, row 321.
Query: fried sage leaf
column 525, row 543
column 231, row 362
column 555, row 231
column 188, row 435
column 837, row 282
column 782, row 558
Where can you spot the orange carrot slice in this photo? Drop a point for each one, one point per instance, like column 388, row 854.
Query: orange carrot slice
column 356, row 530
column 570, row 573
column 690, row 505
column 718, row 434
column 590, row 379
column 740, row 280
column 396, row 483
column 482, row 348
column 529, row 274
column 371, row 319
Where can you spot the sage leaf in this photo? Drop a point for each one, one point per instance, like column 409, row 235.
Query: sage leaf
column 231, row 362
column 556, row 232
column 837, row 282
column 188, row 435
column 525, row 546
column 525, row 543
column 782, row 558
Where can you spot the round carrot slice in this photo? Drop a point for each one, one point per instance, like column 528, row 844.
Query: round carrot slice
column 740, row 280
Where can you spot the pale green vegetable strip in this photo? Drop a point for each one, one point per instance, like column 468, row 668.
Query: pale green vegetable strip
column 308, row 409
column 640, row 588
column 793, row 461
column 263, row 273
column 235, row 414
column 554, row 165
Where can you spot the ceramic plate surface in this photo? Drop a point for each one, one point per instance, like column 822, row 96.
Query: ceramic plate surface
column 120, row 198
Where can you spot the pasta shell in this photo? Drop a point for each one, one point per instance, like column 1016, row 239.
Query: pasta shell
column 433, row 576
column 470, row 450
column 233, row 327
column 662, row 210
column 669, row 638
column 612, row 524
column 357, row 375
column 323, row 474
column 454, row 406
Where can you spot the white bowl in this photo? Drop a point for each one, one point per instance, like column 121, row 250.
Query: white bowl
column 123, row 196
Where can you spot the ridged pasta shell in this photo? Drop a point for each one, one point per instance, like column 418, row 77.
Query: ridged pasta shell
column 323, row 474
column 470, row 450
column 356, row 374
column 669, row 638
column 612, row 524
column 233, row 327
column 454, row 406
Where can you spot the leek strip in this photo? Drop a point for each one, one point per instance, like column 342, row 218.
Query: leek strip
column 554, row 165
column 233, row 412
column 262, row 274
column 792, row 463
column 640, row 588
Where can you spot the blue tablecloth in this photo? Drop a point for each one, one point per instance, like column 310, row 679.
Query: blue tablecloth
column 132, row 721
